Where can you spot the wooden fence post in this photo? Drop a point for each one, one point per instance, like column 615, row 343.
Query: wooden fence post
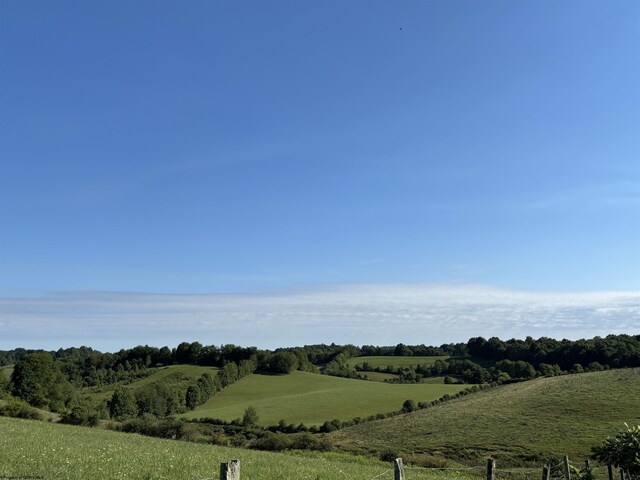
column 621, row 474
column 546, row 472
column 587, row 465
column 230, row 470
column 567, row 471
column 398, row 469
column 610, row 470
column 491, row 469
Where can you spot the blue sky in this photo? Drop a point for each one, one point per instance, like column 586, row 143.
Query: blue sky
column 195, row 149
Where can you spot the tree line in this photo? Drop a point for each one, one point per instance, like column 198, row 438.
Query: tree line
column 50, row 379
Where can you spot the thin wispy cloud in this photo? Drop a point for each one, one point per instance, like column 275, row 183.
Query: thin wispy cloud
column 361, row 314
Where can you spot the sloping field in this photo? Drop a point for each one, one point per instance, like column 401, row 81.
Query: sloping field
column 6, row 371
column 62, row 452
column 311, row 398
column 384, row 360
column 530, row 420
column 173, row 375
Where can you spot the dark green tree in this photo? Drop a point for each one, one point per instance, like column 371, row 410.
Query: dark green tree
column 38, row 380
column 402, row 350
column 192, row 397
column 283, row 362
column 408, row 406
column 122, row 404
column 250, row 418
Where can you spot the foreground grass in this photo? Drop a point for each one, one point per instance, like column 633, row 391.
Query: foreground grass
column 174, row 375
column 311, row 398
column 53, row 451
column 526, row 421
column 395, row 362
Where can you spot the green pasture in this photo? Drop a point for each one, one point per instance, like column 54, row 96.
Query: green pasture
column 6, row 371
column 378, row 376
column 311, row 398
column 63, row 452
column 396, row 362
column 173, row 375
column 532, row 420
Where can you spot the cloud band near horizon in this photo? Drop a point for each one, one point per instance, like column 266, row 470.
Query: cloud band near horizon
column 361, row 314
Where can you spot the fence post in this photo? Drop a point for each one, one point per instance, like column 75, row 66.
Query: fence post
column 610, row 470
column 621, row 474
column 491, row 469
column 567, row 471
column 398, row 469
column 546, row 472
column 587, row 465
column 230, row 470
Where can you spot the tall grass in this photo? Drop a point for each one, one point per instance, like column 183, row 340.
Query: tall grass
column 53, row 451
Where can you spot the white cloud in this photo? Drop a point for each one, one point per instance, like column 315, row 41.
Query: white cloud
column 360, row 314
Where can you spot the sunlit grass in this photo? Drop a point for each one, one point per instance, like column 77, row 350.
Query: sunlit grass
column 56, row 451
column 534, row 419
column 312, row 398
column 385, row 360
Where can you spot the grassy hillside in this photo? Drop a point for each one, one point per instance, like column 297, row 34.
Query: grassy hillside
column 311, row 398
column 534, row 419
column 54, row 451
column 384, row 360
column 6, row 371
column 382, row 376
column 173, row 375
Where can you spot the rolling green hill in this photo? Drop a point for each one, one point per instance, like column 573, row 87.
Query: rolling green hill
column 311, row 398
column 173, row 375
column 384, row 360
column 526, row 421
column 63, row 452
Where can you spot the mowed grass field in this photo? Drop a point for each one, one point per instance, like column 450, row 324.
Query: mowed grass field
column 530, row 420
column 54, row 451
column 310, row 398
column 172, row 375
column 395, row 362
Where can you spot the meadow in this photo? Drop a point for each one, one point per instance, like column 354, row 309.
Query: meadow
column 515, row 423
column 396, row 362
column 309, row 398
column 6, row 371
column 54, row 451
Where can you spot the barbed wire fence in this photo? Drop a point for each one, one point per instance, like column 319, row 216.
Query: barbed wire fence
column 554, row 470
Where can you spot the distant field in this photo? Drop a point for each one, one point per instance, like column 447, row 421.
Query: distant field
column 6, row 371
column 383, row 361
column 174, row 375
column 311, row 398
column 378, row 376
column 534, row 419
column 382, row 376
column 63, row 452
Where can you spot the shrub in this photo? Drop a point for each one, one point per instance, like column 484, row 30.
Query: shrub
column 622, row 451
column 250, row 418
column 388, row 455
column 408, row 406
column 19, row 409
column 274, row 442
